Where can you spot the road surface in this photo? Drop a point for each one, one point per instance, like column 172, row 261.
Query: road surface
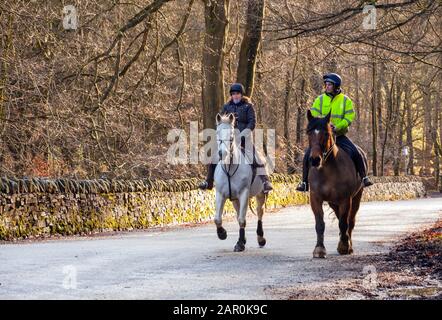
column 191, row 263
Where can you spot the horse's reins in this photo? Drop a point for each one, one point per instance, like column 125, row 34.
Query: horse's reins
column 327, row 153
column 227, row 172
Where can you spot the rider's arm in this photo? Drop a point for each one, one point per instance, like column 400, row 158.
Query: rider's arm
column 349, row 115
column 251, row 118
column 315, row 108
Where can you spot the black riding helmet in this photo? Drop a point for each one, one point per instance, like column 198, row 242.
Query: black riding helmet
column 333, row 78
column 237, row 87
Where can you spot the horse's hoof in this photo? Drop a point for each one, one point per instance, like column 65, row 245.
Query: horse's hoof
column 222, row 233
column 262, row 242
column 350, row 251
column 239, row 247
column 344, row 248
column 320, row 252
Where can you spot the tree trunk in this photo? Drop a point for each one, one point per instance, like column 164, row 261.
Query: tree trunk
column 300, row 117
column 428, row 143
column 438, row 112
column 374, row 130
column 250, row 45
column 288, row 89
column 380, row 100
column 437, row 146
column 216, row 23
column 389, row 120
column 357, row 106
column 408, row 107
column 301, row 112
column 438, row 126
column 400, row 129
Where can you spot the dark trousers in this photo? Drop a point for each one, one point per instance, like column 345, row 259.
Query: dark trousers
column 348, row 146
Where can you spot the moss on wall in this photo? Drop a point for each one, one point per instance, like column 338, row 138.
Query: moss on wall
column 41, row 207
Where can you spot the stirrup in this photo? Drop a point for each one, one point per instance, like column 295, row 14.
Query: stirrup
column 366, row 182
column 303, row 187
column 267, row 187
column 205, row 185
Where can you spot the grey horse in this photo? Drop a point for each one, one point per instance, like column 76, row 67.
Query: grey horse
column 234, row 180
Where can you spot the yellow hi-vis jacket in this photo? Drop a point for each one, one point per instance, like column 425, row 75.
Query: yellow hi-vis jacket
column 342, row 113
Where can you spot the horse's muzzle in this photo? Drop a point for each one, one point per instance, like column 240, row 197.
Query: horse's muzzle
column 315, row 162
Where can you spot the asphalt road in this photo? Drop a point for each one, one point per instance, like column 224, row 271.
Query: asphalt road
column 192, row 263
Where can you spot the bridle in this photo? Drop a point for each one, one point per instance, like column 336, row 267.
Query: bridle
column 326, row 154
column 223, row 166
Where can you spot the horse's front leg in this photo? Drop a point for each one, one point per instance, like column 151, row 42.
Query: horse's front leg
column 260, row 202
column 220, row 201
column 316, row 205
column 344, row 237
column 243, row 204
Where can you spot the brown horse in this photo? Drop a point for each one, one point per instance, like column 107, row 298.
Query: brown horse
column 332, row 178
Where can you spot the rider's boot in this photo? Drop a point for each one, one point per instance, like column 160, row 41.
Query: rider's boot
column 266, row 183
column 303, row 185
column 208, row 183
column 366, row 181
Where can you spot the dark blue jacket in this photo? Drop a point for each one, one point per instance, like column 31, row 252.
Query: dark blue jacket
column 244, row 113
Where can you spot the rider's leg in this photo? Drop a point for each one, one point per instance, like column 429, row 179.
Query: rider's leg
column 259, row 162
column 266, row 183
column 348, row 146
column 303, row 185
column 208, row 183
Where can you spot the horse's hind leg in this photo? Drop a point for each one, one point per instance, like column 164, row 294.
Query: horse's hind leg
column 335, row 208
column 260, row 200
column 355, row 202
column 316, row 205
column 219, row 204
column 344, row 214
column 243, row 205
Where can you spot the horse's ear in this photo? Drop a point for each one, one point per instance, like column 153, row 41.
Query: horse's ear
column 231, row 117
column 309, row 115
column 327, row 117
column 218, row 118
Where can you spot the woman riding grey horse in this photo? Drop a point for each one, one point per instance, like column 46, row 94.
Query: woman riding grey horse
column 235, row 180
column 245, row 119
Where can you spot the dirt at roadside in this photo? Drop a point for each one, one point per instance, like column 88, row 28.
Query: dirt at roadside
column 411, row 270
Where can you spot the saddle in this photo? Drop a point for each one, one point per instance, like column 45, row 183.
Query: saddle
column 255, row 165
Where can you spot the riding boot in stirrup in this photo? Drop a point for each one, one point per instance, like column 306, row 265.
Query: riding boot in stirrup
column 366, row 182
column 302, row 186
column 208, row 183
column 266, row 183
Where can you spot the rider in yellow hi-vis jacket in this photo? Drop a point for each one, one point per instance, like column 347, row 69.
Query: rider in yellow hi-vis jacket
column 342, row 115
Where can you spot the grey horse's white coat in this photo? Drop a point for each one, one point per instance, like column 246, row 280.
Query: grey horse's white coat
column 234, row 163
